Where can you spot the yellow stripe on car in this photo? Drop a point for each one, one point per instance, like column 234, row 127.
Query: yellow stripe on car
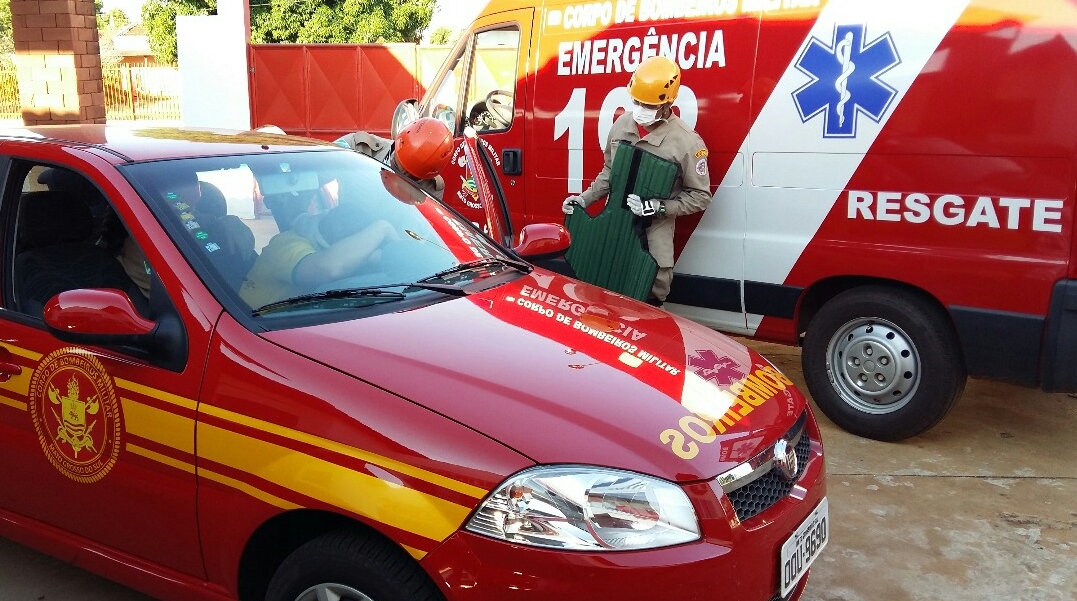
column 158, row 457
column 387, row 502
column 12, row 403
column 257, row 493
column 158, row 425
column 336, row 447
column 154, row 393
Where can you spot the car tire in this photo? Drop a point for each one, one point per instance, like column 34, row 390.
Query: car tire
column 352, row 566
column 883, row 363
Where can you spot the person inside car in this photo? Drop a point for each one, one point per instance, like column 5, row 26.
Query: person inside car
column 421, row 150
column 316, row 250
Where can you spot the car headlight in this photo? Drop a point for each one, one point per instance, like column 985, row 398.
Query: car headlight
column 588, row 509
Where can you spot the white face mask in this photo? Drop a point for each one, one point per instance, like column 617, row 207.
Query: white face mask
column 644, row 115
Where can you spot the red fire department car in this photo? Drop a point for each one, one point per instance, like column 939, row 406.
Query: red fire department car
column 893, row 181
column 440, row 420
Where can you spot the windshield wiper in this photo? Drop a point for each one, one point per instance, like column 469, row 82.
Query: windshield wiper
column 381, row 292
column 469, row 265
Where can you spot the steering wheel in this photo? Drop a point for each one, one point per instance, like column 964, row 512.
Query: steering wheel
column 500, row 112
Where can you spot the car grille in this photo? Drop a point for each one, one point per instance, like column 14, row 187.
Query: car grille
column 758, row 495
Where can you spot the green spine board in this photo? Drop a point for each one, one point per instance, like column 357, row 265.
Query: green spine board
column 606, row 249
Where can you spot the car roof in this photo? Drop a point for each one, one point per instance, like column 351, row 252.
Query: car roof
column 145, row 143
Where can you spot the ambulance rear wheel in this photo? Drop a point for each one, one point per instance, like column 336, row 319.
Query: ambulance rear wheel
column 350, row 566
column 883, row 363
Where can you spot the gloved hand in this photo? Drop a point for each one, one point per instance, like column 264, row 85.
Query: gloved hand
column 569, row 204
column 643, row 208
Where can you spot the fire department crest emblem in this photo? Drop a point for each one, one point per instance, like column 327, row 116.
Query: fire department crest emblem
column 76, row 414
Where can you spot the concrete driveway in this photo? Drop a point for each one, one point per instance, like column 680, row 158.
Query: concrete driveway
column 982, row 507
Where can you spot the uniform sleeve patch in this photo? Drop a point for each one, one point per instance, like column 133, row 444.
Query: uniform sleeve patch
column 701, row 153
column 701, row 167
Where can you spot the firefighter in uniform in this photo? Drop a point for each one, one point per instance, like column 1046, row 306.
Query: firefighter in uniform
column 652, row 126
column 421, row 150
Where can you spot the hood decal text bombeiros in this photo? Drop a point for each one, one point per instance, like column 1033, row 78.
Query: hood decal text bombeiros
column 743, row 396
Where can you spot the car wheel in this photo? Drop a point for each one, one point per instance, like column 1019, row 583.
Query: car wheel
column 883, row 363
column 350, row 566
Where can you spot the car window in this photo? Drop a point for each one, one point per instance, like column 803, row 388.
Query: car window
column 266, row 228
column 68, row 236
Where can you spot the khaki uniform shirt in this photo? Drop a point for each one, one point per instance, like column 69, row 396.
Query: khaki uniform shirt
column 674, row 141
column 382, row 149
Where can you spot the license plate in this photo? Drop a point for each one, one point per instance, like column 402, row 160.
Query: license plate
column 805, row 544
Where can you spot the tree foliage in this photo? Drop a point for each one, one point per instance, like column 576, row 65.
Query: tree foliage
column 113, row 20
column 340, row 21
column 159, row 18
column 443, row 36
column 7, row 39
column 297, row 21
column 107, row 24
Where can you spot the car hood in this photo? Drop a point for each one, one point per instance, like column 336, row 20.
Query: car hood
column 565, row 372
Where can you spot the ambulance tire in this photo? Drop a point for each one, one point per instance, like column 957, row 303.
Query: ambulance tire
column 883, row 363
column 354, row 566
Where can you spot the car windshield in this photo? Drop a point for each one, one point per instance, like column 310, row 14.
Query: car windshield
column 311, row 231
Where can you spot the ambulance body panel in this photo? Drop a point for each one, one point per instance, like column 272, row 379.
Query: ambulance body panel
column 917, row 149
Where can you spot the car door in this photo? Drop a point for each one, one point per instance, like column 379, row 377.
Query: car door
column 484, row 88
column 95, row 442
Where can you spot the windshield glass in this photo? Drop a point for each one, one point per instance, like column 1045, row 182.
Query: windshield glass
column 271, row 229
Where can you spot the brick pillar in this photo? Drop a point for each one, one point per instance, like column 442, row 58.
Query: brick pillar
column 58, row 60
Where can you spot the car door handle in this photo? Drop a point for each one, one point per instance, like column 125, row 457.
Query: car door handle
column 8, row 369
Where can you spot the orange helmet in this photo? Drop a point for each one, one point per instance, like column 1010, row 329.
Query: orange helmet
column 656, row 81
column 424, row 147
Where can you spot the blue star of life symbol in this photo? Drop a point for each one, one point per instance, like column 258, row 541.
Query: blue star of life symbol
column 845, row 80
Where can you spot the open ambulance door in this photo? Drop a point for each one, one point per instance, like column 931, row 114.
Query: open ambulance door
column 538, row 242
column 483, row 85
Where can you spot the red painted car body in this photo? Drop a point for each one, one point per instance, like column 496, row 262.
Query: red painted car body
column 185, row 443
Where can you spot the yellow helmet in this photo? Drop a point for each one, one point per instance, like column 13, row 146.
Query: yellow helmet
column 656, row 81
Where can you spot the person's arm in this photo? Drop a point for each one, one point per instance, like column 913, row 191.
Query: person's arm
column 600, row 188
column 366, row 143
column 344, row 257
column 436, row 187
column 695, row 194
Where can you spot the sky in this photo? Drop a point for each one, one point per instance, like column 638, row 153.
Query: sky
column 132, row 8
column 455, row 14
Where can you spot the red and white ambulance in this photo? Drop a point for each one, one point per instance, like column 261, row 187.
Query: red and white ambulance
column 893, row 181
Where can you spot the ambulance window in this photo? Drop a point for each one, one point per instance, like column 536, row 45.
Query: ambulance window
column 443, row 102
column 492, row 81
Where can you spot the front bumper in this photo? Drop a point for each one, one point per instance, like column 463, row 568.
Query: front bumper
column 734, row 560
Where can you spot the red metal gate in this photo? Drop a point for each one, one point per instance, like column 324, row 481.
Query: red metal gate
column 328, row 90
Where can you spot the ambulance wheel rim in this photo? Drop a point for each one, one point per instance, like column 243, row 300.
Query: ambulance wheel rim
column 873, row 365
column 332, row 592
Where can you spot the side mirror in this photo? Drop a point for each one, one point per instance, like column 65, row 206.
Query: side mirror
column 543, row 241
column 406, row 112
column 100, row 316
